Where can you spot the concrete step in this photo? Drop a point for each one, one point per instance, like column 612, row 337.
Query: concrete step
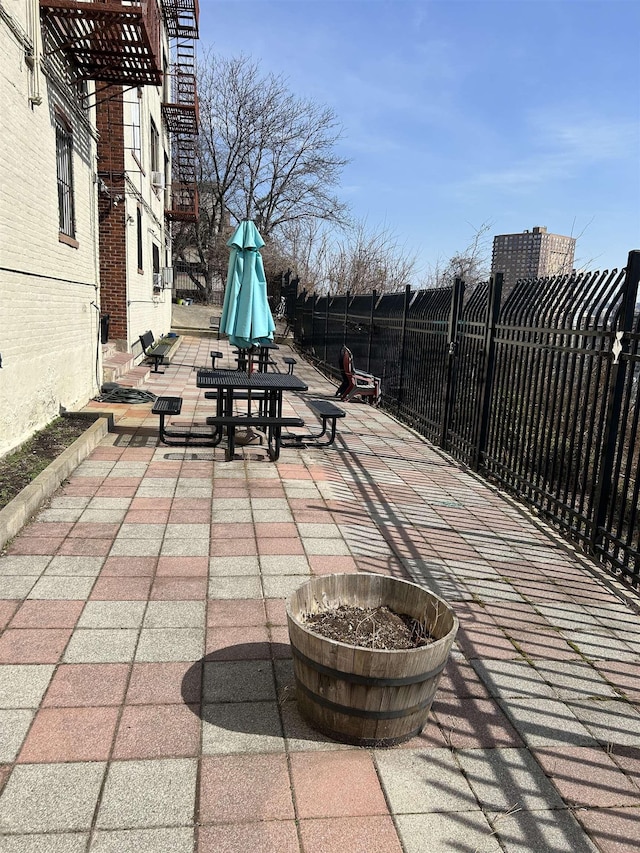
column 120, row 367
column 136, row 377
column 116, row 364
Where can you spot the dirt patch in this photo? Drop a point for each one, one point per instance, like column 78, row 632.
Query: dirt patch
column 21, row 467
column 372, row 628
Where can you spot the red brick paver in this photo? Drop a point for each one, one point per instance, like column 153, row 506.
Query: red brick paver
column 153, row 657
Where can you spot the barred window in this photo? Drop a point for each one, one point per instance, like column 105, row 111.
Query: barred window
column 132, row 99
column 64, row 165
column 154, row 138
column 139, row 238
column 136, row 142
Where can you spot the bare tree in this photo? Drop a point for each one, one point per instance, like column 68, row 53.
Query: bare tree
column 306, row 245
column 265, row 155
column 472, row 264
column 368, row 259
column 581, row 263
column 352, row 258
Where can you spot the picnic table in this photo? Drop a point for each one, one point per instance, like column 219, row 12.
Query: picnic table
column 260, row 355
column 221, row 385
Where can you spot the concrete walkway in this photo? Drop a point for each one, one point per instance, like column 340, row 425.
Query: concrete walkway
column 146, row 692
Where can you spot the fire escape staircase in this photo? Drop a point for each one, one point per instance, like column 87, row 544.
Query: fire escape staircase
column 118, row 44
column 181, row 113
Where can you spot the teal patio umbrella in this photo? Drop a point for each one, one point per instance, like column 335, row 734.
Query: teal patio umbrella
column 246, row 316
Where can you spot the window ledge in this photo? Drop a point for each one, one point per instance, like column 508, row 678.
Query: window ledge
column 68, row 241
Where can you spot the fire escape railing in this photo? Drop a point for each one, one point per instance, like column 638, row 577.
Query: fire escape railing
column 182, row 18
column 110, row 41
column 181, row 113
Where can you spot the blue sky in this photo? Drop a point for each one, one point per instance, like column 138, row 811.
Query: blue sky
column 461, row 112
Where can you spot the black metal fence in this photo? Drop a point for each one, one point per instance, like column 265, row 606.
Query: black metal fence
column 184, row 285
column 539, row 394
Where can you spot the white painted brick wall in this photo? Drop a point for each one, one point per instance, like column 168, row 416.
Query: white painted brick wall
column 48, row 328
column 146, row 309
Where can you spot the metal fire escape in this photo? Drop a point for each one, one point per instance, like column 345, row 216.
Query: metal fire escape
column 113, row 42
column 118, row 43
column 181, row 113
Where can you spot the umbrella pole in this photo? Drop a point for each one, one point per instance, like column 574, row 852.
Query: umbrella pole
column 249, row 435
column 250, row 370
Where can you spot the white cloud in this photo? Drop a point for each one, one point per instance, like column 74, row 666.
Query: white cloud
column 559, row 147
column 585, row 137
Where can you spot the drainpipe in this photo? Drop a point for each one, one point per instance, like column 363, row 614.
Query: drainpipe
column 33, row 23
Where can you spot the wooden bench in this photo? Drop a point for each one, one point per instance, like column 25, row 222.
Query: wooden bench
column 328, row 413
column 167, row 407
column 154, row 352
column 273, row 425
column 290, row 362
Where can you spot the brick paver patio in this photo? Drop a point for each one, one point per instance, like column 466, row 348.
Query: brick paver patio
column 146, row 690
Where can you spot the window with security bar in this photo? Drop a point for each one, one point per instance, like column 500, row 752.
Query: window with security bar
column 132, row 100
column 154, row 140
column 64, row 168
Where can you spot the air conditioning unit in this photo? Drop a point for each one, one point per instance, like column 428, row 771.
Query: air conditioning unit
column 157, row 280
column 167, row 277
column 157, row 180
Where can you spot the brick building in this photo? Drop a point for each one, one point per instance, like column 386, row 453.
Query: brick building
column 147, row 126
column 531, row 254
column 98, row 161
column 49, row 274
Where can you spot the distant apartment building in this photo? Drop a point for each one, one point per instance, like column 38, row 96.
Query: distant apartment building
column 531, row 254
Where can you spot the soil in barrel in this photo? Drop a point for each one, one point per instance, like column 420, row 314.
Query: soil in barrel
column 369, row 627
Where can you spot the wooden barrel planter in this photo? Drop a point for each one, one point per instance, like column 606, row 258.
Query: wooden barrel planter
column 369, row 697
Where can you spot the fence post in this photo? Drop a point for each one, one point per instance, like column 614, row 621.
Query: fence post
column 447, row 403
column 485, row 388
column 604, row 485
column 293, row 295
column 403, row 338
column 346, row 319
column 370, row 341
column 313, row 322
column 298, row 318
column 326, row 329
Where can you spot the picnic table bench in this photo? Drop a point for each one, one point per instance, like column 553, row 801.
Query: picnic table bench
column 328, row 413
column 198, row 436
column 271, row 424
column 154, row 352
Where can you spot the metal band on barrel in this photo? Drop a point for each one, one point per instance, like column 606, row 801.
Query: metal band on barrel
column 360, row 712
column 363, row 679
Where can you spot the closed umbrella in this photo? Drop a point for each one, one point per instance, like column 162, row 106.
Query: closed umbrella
column 246, row 317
